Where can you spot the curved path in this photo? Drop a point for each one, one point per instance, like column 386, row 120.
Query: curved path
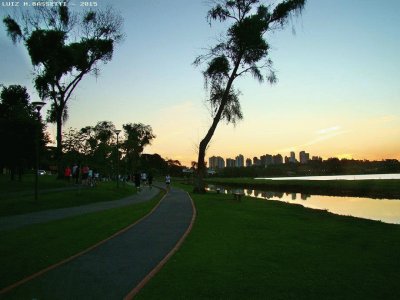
column 115, row 268
column 17, row 221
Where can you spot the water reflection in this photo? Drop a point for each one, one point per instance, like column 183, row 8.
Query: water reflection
column 338, row 177
column 384, row 210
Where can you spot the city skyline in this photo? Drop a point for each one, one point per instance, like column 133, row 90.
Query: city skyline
column 218, row 162
column 337, row 92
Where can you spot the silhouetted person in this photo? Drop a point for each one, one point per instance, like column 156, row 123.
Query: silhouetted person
column 67, row 173
column 137, row 180
column 75, row 173
column 85, row 174
column 150, row 180
column 168, row 181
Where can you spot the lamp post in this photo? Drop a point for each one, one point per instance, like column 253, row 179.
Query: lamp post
column 117, row 131
column 37, row 106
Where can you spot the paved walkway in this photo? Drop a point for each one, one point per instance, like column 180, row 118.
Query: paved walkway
column 17, row 221
column 113, row 269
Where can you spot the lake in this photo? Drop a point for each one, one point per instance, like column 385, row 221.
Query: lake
column 385, row 210
column 339, row 177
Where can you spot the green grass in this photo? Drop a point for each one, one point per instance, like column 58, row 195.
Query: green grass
column 257, row 249
column 19, row 203
column 27, row 183
column 359, row 188
column 28, row 250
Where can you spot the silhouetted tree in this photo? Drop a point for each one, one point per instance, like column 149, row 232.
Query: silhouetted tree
column 153, row 163
column 243, row 49
column 92, row 145
column 175, row 167
column 137, row 136
column 19, row 129
column 64, row 46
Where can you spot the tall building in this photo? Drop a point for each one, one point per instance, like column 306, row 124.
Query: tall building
column 269, row 160
column 304, row 157
column 230, row 163
column 212, row 162
column 240, row 161
column 277, row 159
column 256, row 161
column 248, row 162
column 266, row 160
column 216, row 162
column 292, row 158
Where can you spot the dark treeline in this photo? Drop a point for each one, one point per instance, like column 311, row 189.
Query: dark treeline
column 332, row 166
column 96, row 147
column 93, row 146
column 22, row 132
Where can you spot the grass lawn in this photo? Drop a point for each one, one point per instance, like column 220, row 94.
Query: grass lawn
column 30, row 249
column 257, row 249
column 27, row 183
column 14, row 201
column 358, row 188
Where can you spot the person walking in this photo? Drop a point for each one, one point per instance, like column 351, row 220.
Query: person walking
column 85, row 174
column 67, row 173
column 137, row 180
column 90, row 178
column 150, row 180
column 168, row 181
column 144, row 178
column 75, row 173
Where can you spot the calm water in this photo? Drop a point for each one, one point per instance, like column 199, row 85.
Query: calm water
column 339, row 177
column 384, row 210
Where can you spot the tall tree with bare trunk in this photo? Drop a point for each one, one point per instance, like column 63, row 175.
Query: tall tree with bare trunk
column 243, row 49
column 64, row 46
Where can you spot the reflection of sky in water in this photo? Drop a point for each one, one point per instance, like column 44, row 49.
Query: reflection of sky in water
column 338, row 177
column 375, row 209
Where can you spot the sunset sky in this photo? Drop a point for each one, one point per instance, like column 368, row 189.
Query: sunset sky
column 337, row 95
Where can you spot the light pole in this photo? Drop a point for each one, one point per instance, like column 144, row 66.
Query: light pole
column 37, row 106
column 117, row 131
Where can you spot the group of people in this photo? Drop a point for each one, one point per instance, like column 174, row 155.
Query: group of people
column 89, row 177
column 143, row 179
column 85, row 174
column 147, row 179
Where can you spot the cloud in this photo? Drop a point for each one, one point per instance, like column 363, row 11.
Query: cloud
column 322, row 135
column 328, row 130
column 384, row 119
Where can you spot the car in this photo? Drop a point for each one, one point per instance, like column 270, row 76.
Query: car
column 41, row 172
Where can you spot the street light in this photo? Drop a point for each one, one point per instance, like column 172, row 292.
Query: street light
column 37, row 106
column 117, row 131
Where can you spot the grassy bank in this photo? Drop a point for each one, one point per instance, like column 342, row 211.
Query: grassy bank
column 258, row 249
column 389, row 189
column 18, row 202
column 26, row 184
column 27, row 250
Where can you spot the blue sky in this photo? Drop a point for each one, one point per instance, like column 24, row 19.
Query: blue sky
column 337, row 94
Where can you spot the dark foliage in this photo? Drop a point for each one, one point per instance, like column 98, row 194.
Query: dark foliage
column 65, row 46
column 19, row 130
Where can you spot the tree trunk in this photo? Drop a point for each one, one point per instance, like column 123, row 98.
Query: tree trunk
column 60, row 171
column 201, row 168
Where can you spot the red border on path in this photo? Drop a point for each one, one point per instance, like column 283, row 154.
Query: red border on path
column 165, row 259
column 33, row 276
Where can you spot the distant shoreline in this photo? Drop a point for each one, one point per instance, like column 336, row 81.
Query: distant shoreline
column 371, row 188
